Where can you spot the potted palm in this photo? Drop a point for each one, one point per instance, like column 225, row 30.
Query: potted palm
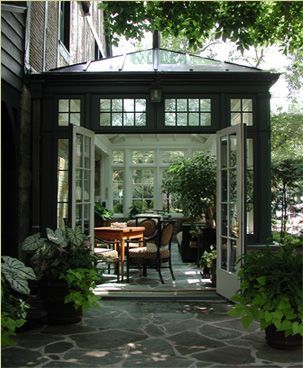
column 65, row 264
column 271, row 293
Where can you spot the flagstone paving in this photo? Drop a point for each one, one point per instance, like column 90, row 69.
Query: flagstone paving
column 138, row 333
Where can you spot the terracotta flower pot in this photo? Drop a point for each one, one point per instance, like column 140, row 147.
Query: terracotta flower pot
column 278, row 340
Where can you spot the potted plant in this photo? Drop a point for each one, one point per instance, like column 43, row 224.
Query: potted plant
column 208, row 262
column 271, row 293
column 65, row 264
column 14, row 291
column 102, row 215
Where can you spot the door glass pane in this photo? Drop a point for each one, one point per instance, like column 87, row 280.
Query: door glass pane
column 233, row 152
column 87, row 153
column 233, row 256
column 224, row 185
column 224, row 152
column 224, row 219
column 62, row 181
column 250, row 187
column 224, row 253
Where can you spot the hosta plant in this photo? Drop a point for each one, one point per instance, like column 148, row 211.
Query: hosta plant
column 14, row 288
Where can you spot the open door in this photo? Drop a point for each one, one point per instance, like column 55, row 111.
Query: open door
column 83, row 179
column 231, row 228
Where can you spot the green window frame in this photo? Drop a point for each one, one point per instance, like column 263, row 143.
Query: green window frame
column 241, row 111
column 69, row 111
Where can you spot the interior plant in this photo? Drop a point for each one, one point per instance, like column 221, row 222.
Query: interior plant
column 102, row 214
column 208, row 260
column 65, row 264
column 191, row 183
column 14, row 291
column 271, row 293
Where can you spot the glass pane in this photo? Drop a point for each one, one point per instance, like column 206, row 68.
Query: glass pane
column 224, row 152
column 86, row 185
column 234, row 223
column 63, row 105
column 78, row 215
column 247, row 118
column 87, row 153
column 143, row 157
column 129, row 119
column 117, row 119
column 104, row 104
column 140, row 105
column 63, row 119
column 140, row 119
column 224, row 253
column 75, row 119
column 224, row 223
column 249, row 153
column 62, row 213
column 235, row 104
column 233, row 185
column 62, row 194
column 170, row 119
column 105, row 119
column 182, row 104
column 75, row 105
column 63, row 154
column 205, row 104
column 118, row 157
column 235, row 118
column 129, row 104
column 193, row 104
column 233, row 256
column 224, row 185
column 79, row 151
column 247, row 104
column 170, row 156
column 181, row 118
column 233, row 151
column 117, row 104
column 170, row 105
column 193, row 119
column 170, row 57
column 205, row 119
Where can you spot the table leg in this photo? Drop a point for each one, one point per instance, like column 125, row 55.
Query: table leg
column 122, row 247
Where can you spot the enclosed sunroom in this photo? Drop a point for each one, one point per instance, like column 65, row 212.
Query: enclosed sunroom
column 109, row 128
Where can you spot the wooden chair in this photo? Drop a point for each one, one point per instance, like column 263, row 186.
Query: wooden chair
column 153, row 254
column 107, row 251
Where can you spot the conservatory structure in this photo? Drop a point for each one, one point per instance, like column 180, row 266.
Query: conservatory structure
column 109, row 128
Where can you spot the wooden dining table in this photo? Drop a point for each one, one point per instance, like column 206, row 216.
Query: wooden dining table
column 120, row 234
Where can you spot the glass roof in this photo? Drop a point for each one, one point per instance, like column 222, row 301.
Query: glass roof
column 157, row 60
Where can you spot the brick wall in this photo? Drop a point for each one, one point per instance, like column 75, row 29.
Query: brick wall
column 52, row 35
column 36, row 34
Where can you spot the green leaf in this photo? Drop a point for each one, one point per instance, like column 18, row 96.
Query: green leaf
column 246, row 321
column 32, row 243
column 75, row 236
column 261, row 280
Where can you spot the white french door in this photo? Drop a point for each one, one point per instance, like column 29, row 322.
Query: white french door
column 231, row 228
column 83, row 179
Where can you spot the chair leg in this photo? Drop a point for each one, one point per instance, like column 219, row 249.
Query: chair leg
column 160, row 274
column 118, row 269
column 144, row 270
column 171, row 270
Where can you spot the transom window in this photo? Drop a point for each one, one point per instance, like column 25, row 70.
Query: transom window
column 69, row 112
column 241, row 111
column 122, row 112
column 188, row 112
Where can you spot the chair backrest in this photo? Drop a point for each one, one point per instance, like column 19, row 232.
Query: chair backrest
column 151, row 228
column 167, row 232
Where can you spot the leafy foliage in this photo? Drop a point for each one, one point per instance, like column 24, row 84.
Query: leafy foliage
column 287, row 136
column 208, row 259
column 14, row 283
column 192, row 183
column 246, row 22
column 59, row 251
column 81, row 282
column 103, row 212
column 287, row 185
column 271, row 290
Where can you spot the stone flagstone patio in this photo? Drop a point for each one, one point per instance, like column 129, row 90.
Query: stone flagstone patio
column 149, row 334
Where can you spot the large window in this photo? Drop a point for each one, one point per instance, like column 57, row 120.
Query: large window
column 187, row 112
column 65, row 23
column 143, row 189
column 122, row 112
